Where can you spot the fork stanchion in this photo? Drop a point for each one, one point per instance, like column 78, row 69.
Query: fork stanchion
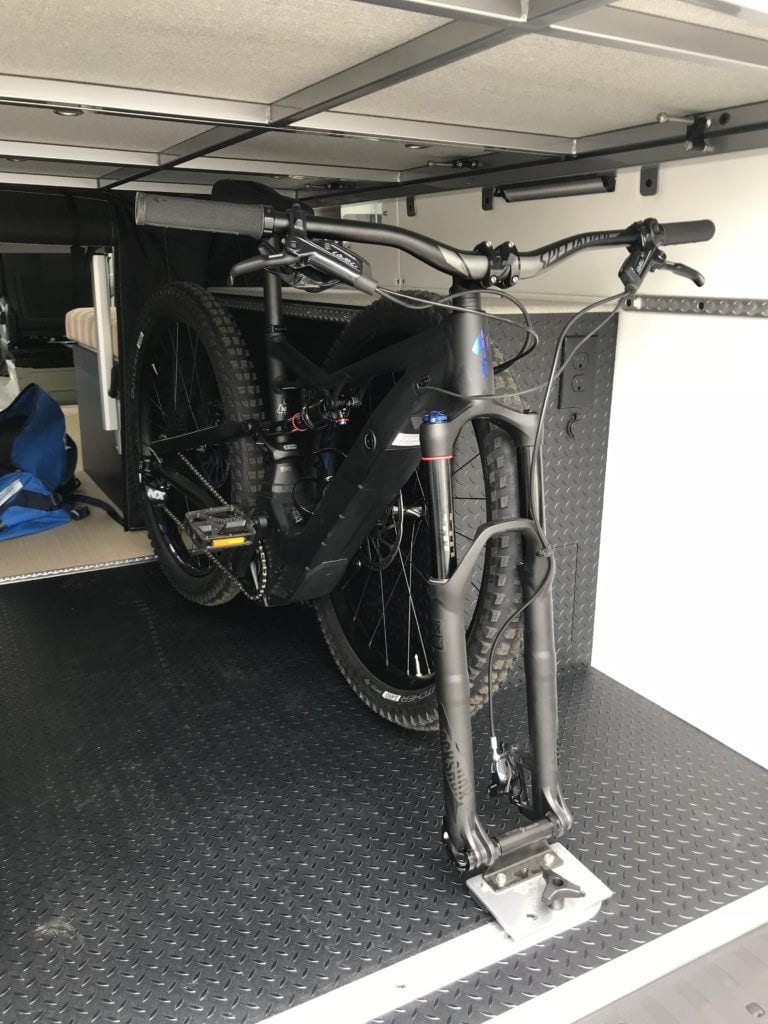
column 468, row 843
column 539, row 655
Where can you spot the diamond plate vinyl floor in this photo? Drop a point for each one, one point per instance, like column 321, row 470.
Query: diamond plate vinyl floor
column 200, row 822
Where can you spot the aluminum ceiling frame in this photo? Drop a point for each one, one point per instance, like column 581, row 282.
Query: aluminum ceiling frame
column 475, row 25
column 445, row 45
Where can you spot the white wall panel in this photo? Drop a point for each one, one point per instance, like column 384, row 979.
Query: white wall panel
column 684, row 556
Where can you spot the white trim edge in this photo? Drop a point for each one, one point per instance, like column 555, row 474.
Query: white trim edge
column 375, row 995
column 421, row 974
column 576, row 999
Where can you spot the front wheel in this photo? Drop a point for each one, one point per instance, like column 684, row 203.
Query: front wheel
column 376, row 622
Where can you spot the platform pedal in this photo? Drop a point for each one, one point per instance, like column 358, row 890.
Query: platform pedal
column 220, row 529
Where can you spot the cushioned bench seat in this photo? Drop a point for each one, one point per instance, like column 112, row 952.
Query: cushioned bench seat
column 80, row 326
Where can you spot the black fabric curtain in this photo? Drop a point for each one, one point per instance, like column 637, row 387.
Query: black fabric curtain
column 146, row 259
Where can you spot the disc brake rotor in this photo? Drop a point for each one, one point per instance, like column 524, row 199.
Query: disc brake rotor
column 380, row 548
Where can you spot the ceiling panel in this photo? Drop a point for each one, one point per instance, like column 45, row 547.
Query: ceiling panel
column 203, row 181
column 104, row 131
column 209, row 177
column 314, row 148
column 255, row 50
column 696, row 14
column 565, row 87
column 58, row 167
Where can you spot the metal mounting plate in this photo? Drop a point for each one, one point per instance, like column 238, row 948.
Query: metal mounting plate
column 757, row 309
column 522, row 915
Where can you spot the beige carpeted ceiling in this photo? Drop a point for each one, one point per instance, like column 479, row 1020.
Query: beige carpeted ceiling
column 252, row 50
column 58, row 167
column 257, row 51
column 314, row 148
column 565, row 87
column 36, row 124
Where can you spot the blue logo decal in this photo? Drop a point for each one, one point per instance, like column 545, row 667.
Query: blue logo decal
column 480, row 348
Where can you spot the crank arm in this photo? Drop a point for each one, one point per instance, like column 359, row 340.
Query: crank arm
column 189, row 488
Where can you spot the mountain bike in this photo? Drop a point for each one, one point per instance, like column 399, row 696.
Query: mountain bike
column 398, row 486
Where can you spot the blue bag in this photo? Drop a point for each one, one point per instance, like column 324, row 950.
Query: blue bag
column 37, row 465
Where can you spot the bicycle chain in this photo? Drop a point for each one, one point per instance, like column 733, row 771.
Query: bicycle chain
column 261, row 553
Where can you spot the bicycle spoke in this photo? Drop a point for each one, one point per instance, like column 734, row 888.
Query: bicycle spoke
column 415, row 619
column 384, row 620
column 175, row 343
column 362, row 595
column 384, row 615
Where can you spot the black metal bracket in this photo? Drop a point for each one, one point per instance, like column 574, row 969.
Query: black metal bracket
column 410, row 206
column 649, row 180
column 695, row 135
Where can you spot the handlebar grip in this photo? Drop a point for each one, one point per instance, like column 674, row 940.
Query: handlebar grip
column 685, row 231
column 199, row 215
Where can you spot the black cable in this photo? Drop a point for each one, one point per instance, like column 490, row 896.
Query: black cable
column 326, row 450
column 546, row 583
column 532, row 335
column 416, row 302
column 554, row 373
column 535, row 473
column 536, row 387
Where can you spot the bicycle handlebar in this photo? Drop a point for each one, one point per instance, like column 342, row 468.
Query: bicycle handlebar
column 259, row 221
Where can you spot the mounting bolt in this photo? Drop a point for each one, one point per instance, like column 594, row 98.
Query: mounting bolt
column 664, row 118
column 548, row 860
column 501, row 879
column 369, row 440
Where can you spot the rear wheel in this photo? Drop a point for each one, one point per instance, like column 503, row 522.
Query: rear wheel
column 376, row 623
column 192, row 370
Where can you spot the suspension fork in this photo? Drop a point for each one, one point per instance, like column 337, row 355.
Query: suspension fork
column 468, row 843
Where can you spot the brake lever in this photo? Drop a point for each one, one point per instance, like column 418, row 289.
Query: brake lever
column 256, row 263
column 332, row 260
column 684, row 271
column 646, row 258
